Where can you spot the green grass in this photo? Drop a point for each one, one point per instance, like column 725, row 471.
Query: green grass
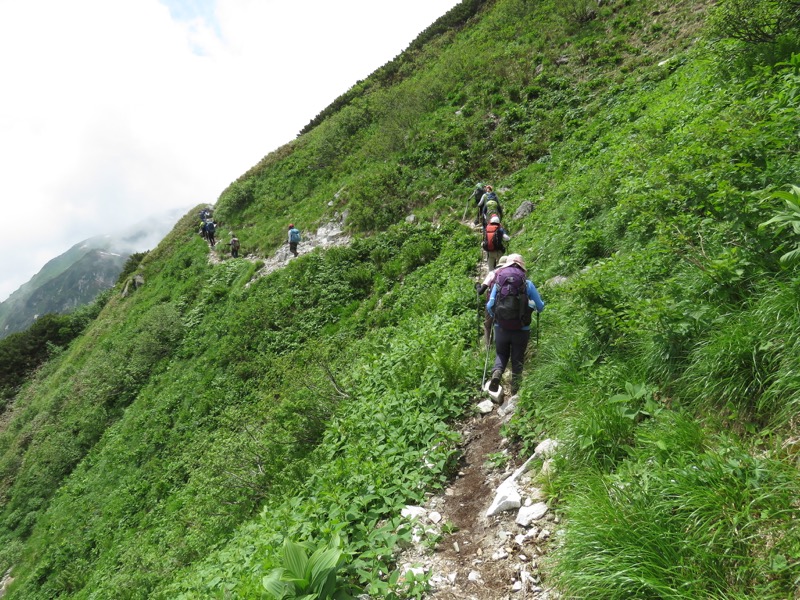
column 172, row 448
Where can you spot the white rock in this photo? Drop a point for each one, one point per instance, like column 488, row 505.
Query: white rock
column 497, row 397
column 534, row 512
column 500, row 555
column 474, row 576
column 416, row 572
column 435, row 517
column 508, row 407
column 543, row 535
column 486, row 407
column 546, row 449
column 519, row 539
column 517, row 586
column 413, row 512
column 507, row 497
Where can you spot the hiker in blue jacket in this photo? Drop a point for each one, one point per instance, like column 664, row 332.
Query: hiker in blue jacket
column 511, row 303
column 294, row 239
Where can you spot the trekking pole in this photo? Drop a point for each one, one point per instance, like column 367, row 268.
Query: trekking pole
column 479, row 311
column 486, row 359
column 467, row 207
column 537, row 329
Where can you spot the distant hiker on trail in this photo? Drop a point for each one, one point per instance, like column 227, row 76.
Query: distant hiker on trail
column 211, row 229
column 486, row 286
column 511, row 304
column 294, row 239
column 490, row 205
column 477, row 194
column 203, row 233
column 494, row 241
column 234, row 244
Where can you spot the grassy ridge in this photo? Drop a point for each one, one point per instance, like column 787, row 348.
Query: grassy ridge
column 195, row 424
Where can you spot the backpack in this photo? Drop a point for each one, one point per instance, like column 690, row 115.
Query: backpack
column 294, row 236
column 511, row 310
column 234, row 244
column 478, row 193
column 492, row 238
column 492, row 206
column 210, row 227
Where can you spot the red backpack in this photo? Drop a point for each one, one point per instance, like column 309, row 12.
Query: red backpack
column 492, row 238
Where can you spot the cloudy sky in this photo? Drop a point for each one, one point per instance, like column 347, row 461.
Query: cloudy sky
column 112, row 110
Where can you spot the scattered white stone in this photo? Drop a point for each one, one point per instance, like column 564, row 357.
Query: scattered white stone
column 546, row 449
column 435, row 517
column 500, row 555
column 413, row 512
column 486, row 407
column 474, row 576
column 527, row 514
column 556, row 281
column 519, row 539
column 543, row 535
column 452, row 578
column 507, row 497
column 517, row 587
column 456, row 547
column 497, row 397
column 415, row 572
column 508, row 407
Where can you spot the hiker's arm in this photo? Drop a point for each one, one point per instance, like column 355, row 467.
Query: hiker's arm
column 490, row 303
column 533, row 296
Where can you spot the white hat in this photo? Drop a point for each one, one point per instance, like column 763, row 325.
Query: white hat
column 517, row 260
column 495, row 219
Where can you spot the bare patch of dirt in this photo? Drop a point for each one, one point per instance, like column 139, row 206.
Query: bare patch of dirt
column 479, row 557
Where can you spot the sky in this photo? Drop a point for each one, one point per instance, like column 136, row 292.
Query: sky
column 113, row 110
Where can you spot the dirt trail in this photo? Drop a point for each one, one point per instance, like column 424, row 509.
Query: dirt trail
column 483, row 558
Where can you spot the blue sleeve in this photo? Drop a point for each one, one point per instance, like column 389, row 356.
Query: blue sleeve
column 533, row 296
column 490, row 303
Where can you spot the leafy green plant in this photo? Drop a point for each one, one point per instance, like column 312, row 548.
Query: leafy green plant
column 788, row 217
column 308, row 577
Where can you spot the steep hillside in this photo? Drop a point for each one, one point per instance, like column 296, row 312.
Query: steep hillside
column 207, row 422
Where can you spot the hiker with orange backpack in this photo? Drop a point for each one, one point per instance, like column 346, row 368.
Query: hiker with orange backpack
column 512, row 302
column 494, row 241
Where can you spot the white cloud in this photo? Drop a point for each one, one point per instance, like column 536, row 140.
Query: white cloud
column 113, row 109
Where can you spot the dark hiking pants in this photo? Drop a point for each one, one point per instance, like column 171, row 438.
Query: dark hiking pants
column 510, row 344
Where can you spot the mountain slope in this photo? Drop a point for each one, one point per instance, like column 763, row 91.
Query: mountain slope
column 77, row 276
column 211, row 415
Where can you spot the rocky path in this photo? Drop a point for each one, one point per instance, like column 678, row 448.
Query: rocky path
column 328, row 235
column 480, row 557
column 477, row 556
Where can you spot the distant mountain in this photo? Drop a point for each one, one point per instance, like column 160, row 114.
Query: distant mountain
column 77, row 276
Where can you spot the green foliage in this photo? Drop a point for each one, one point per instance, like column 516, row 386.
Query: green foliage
column 577, row 11
column 788, row 217
column 170, row 449
column 310, row 577
column 755, row 21
column 131, row 265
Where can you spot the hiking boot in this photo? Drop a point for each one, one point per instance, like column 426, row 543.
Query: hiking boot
column 494, row 384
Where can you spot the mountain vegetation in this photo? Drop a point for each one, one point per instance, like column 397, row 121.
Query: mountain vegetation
column 221, row 434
